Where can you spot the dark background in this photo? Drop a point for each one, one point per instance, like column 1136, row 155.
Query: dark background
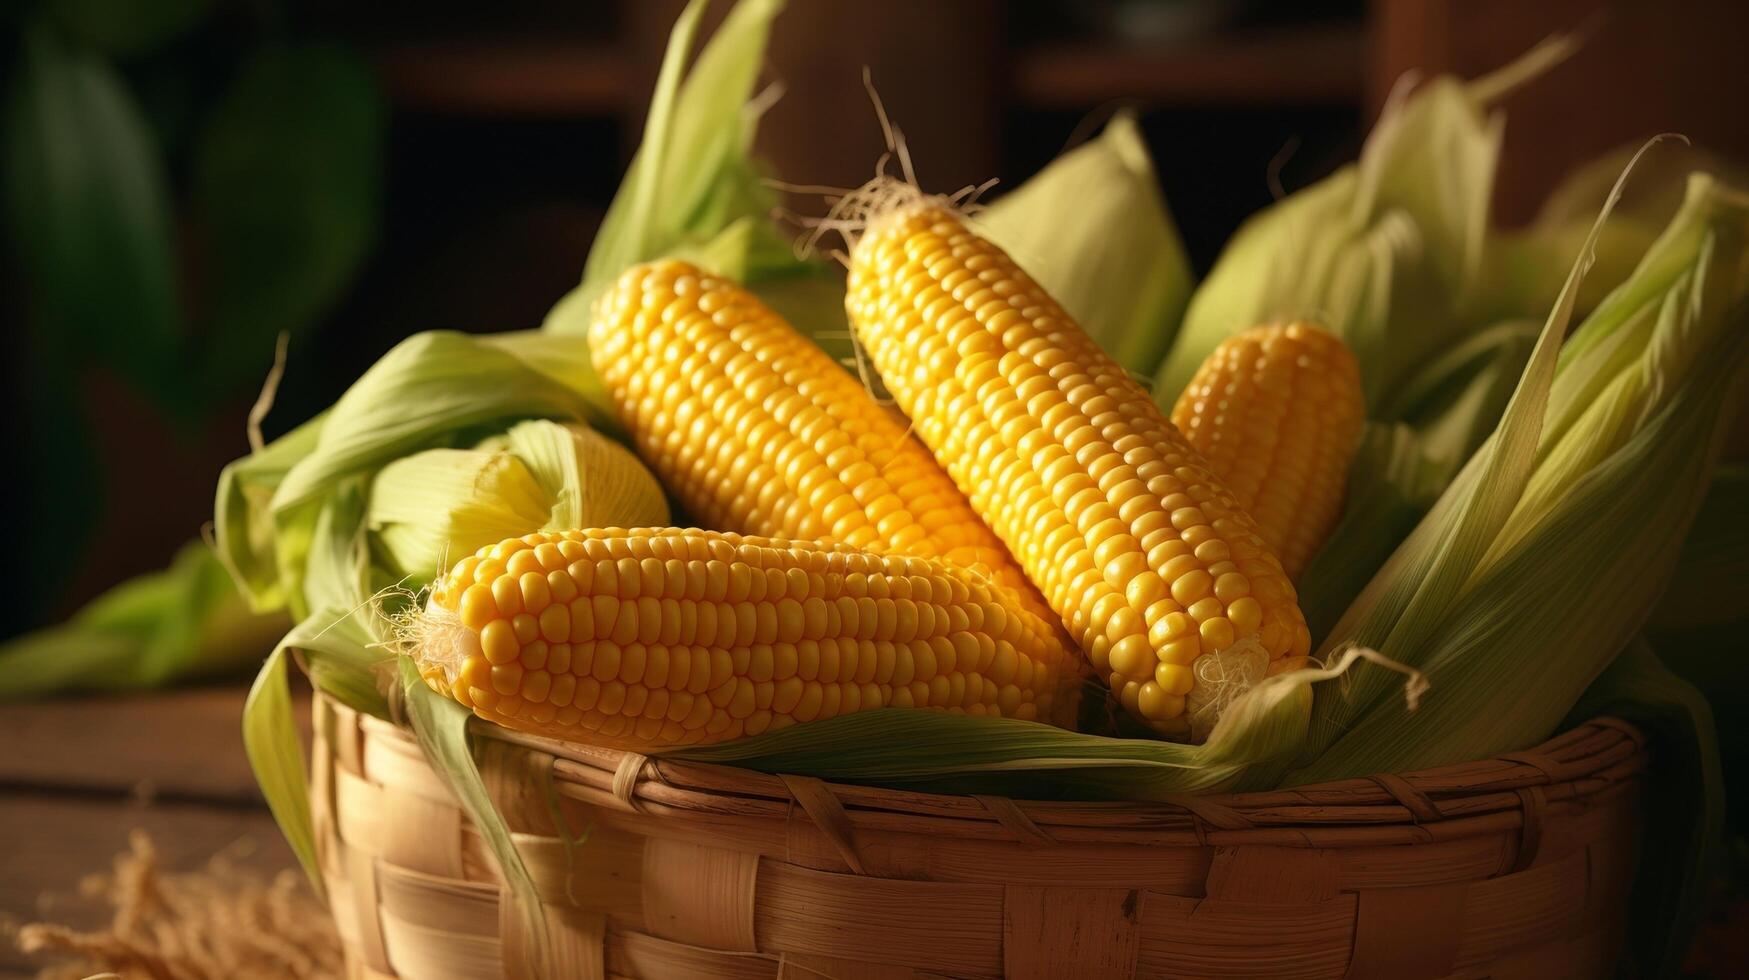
column 505, row 128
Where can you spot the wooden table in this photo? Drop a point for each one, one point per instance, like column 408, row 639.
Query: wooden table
column 77, row 776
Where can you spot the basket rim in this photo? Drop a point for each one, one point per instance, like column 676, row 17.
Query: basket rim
column 1576, row 769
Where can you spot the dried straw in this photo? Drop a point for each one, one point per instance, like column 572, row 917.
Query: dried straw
column 224, row 921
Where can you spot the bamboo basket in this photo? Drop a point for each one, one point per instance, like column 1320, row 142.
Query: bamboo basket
column 1514, row 867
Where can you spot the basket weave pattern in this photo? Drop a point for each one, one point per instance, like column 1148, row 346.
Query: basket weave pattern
column 1514, row 867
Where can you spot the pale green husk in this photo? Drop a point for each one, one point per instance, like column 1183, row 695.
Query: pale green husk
column 1384, row 252
column 1093, row 229
column 430, row 509
column 693, row 176
column 1544, row 557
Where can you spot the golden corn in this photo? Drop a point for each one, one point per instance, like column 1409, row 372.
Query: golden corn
column 663, row 637
column 1277, row 412
column 755, row 429
column 1159, row 575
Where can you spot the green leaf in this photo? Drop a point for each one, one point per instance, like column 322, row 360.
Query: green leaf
column 430, row 509
column 1449, row 408
column 1404, row 603
column 246, row 535
column 433, row 390
column 120, row 27
column 89, row 213
column 1391, row 484
column 184, row 623
column 1521, row 267
column 345, row 661
column 428, row 388
column 270, row 739
column 287, row 176
column 1384, row 252
column 1639, row 406
column 695, row 132
column 347, row 642
column 1093, row 229
column 1455, row 401
column 692, row 176
column 1519, row 647
column 1256, row 736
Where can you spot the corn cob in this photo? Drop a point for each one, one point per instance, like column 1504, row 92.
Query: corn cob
column 1159, row 575
column 755, row 429
column 1277, row 412
column 663, row 637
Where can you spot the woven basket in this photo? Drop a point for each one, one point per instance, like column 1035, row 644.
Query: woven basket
column 1515, row 867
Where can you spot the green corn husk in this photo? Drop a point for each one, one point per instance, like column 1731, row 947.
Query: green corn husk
column 1637, row 401
column 1445, row 411
column 343, row 651
column 693, row 176
column 1453, row 403
column 1548, row 553
column 433, row 390
column 1093, row 229
column 939, row 752
column 1384, row 252
column 184, row 623
column 1520, row 272
column 1391, row 485
column 432, row 508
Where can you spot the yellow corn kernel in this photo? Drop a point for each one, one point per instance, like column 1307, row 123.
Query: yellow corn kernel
column 1074, row 467
column 1277, row 412
column 748, row 664
column 755, row 429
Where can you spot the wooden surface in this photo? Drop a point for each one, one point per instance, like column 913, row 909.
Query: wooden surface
column 78, row 776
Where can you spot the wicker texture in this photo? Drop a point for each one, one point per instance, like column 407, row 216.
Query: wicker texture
column 1514, row 867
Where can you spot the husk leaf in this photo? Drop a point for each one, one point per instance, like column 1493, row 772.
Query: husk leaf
column 431, row 508
column 1383, row 252
column 186, row 622
column 1577, row 544
column 692, row 176
column 432, row 390
column 1094, row 230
